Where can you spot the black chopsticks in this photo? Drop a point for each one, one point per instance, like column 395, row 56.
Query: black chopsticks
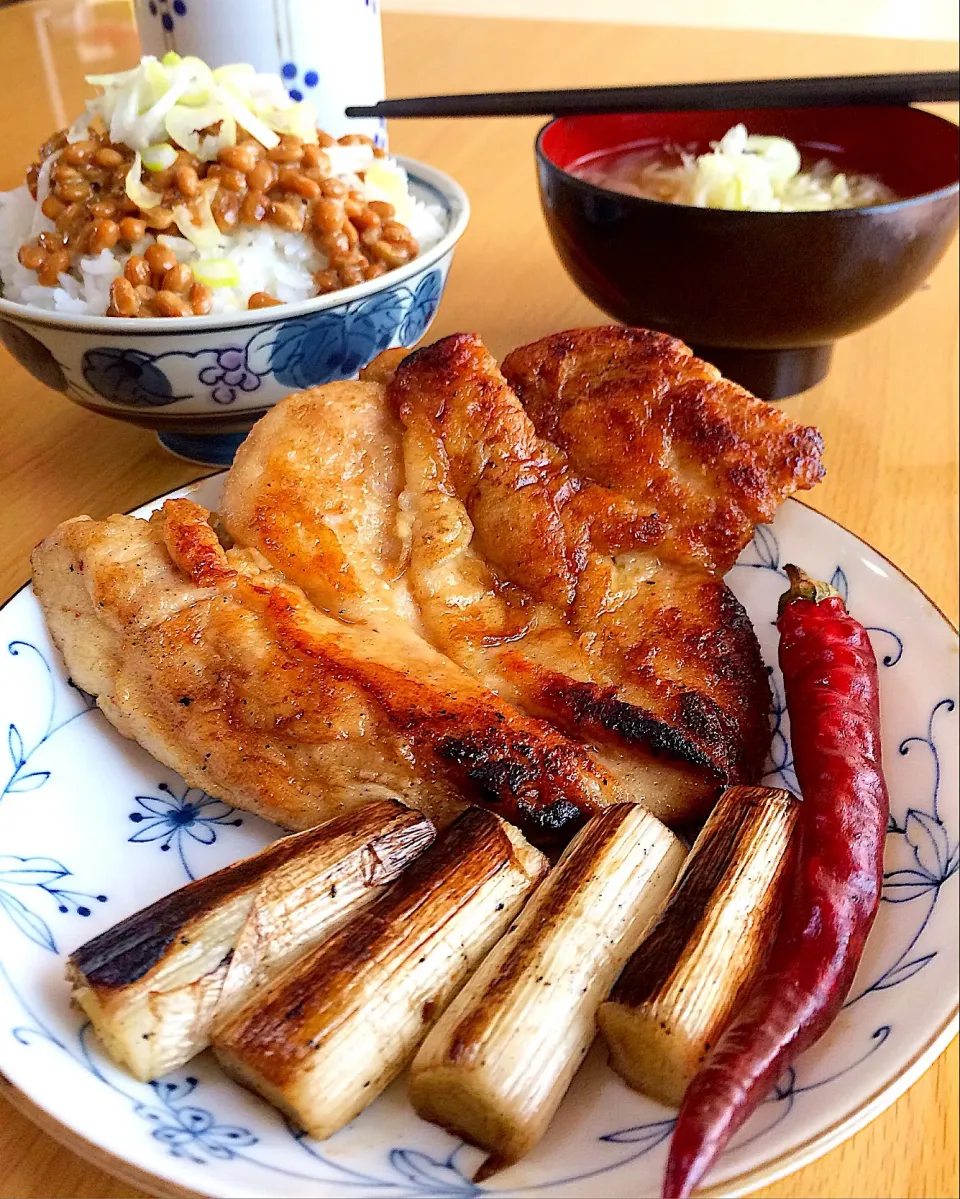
column 920, row 87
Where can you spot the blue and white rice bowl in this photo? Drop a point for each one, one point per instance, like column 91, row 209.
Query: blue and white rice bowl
column 202, row 381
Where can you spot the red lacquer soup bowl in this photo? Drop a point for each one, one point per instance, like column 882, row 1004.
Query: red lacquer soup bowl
column 762, row 294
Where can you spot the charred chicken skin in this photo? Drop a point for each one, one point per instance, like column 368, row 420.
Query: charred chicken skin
column 452, row 585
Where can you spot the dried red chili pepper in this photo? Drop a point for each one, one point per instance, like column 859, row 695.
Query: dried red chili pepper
column 830, row 678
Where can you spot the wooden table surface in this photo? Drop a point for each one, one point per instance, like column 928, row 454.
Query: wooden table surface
column 888, row 410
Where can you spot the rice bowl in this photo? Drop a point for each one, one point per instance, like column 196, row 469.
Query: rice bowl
column 248, row 206
column 267, row 260
column 201, row 382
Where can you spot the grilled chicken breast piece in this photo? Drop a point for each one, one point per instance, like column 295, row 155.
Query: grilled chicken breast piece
column 553, row 590
column 155, row 984
column 315, row 487
column 227, row 673
column 375, row 516
column 637, row 411
column 436, row 595
column 327, row 1036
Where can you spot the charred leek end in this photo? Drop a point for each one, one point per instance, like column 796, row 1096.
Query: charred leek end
column 680, row 988
column 499, row 1061
column 154, row 984
column 328, row 1036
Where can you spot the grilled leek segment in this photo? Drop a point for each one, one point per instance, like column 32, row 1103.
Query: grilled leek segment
column 679, row 989
column 329, row 1034
column 500, row 1059
column 154, row 984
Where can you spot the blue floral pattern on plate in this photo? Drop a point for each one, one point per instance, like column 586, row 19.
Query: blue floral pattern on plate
column 195, row 1133
column 45, row 875
column 192, row 1117
column 21, row 877
column 173, row 819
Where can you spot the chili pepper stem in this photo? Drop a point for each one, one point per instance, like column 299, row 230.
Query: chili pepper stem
column 803, row 587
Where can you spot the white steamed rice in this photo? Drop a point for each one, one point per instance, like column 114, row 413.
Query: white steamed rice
column 267, row 258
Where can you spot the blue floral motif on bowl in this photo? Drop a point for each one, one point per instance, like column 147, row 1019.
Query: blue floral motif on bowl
column 306, row 351
column 333, row 345
column 229, row 374
column 127, row 377
column 33, row 355
column 422, row 309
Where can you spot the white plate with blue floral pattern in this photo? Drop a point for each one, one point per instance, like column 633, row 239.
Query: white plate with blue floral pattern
column 92, row 828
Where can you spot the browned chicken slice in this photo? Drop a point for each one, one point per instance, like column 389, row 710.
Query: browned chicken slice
column 315, row 487
column 437, row 596
column 551, row 589
column 636, row 411
column 227, row 673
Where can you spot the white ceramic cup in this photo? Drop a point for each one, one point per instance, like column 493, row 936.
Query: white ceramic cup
column 327, row 51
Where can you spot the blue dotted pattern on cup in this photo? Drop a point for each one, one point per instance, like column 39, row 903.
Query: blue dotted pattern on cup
column 297, row 83
column 167, row 12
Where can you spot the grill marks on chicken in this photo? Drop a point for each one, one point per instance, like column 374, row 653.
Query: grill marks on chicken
column 553, row 589
column 227, row 673
column 637, row 411
column 442, row 594
column 466, row 428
